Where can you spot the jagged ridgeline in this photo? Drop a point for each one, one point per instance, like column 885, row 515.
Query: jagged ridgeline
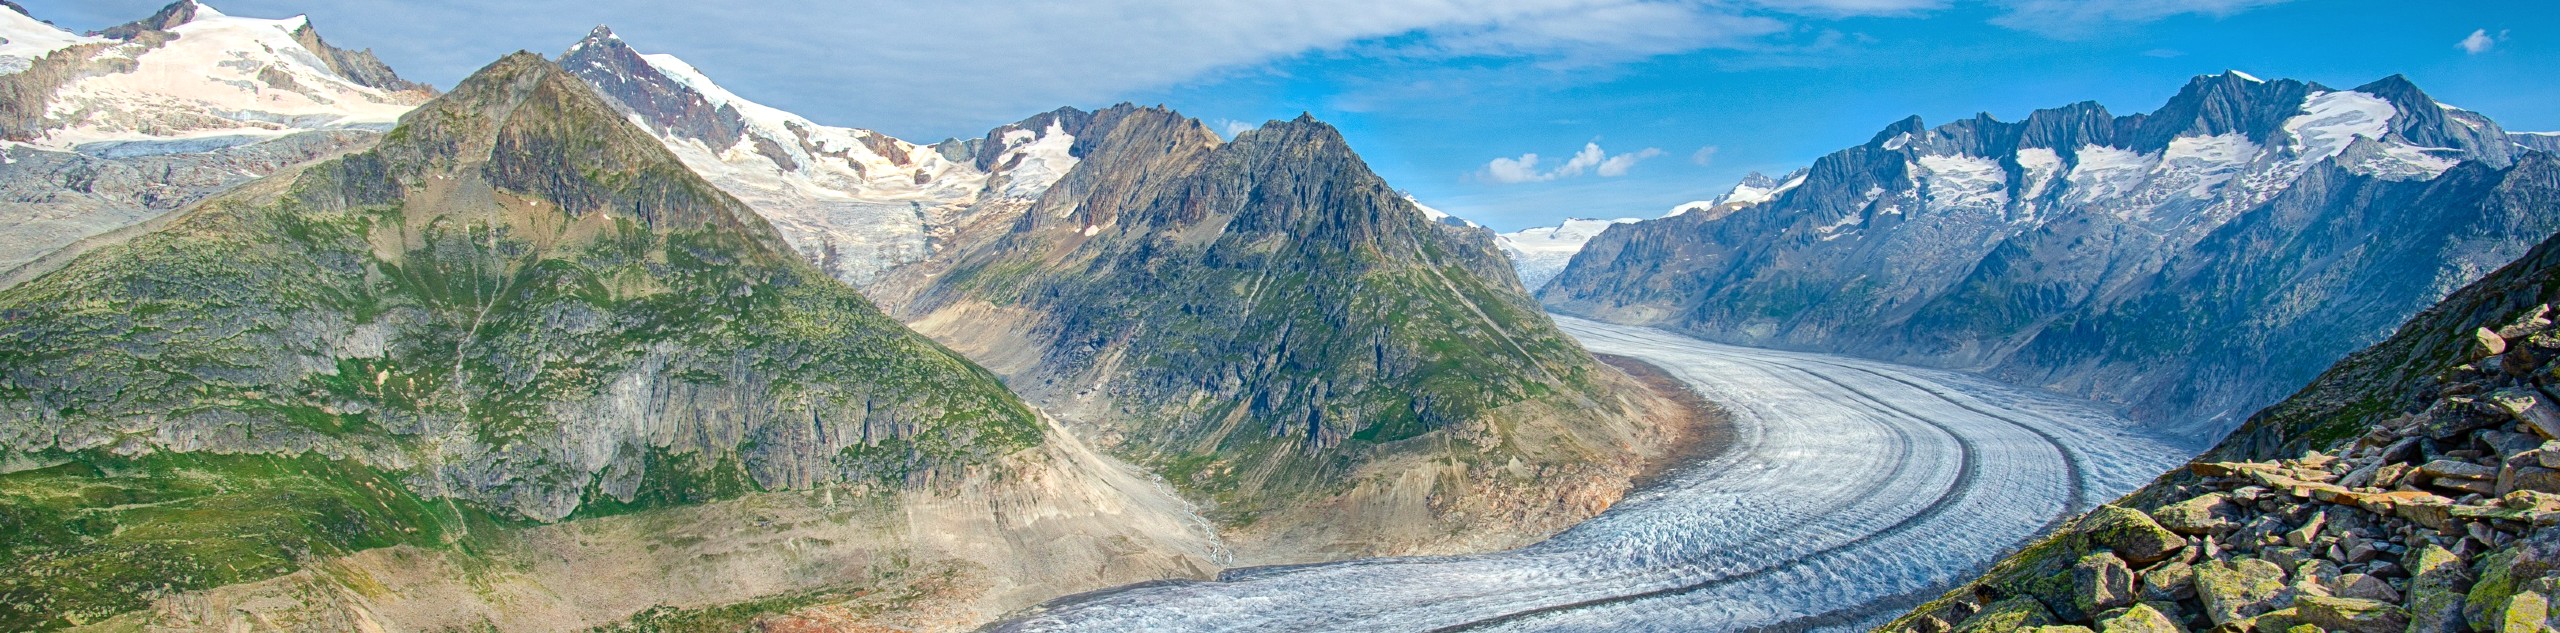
column 2415, row 486
column 516, row 307
column 1262, row 318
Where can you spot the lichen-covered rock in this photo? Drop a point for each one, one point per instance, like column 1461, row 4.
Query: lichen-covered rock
column 2140, row 618
column 2525, row 612
column 2236, row 591
column 2494, row 585
column 2007, row 615
column 2351, row 615
column 2132, row 535
column 2438, row 584
column 2169, row 582
column 2205, row 515
column 2100, row 582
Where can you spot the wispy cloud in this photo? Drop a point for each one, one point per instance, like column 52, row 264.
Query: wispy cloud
column 1232, row 127
column 2082, row 18
column 2479, row 41
column 1590, row 159
column 1705, row 155
column 1618, row 165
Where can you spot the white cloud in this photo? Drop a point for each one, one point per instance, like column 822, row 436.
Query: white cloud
column 1232, row 127
column 2081, row 18
column 1515, row 170
column 1591, row 159
column 2479, row 41
column 1618, row 165
column 1705, row 155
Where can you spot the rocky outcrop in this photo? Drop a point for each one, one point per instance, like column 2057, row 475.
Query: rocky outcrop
column 1281, row 335
column 359, row 66
column 2193, row 263
column 2420, row 495
column 59, row 198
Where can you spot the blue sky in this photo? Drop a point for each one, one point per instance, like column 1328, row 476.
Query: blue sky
column 1433, row 92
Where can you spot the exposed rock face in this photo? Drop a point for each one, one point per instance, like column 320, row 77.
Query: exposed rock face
column 2193, row 263
column 856, row 202
column 2411, row 503
column 58, row 198
column 517, row 303
column 1274, row 329
column 358, row 66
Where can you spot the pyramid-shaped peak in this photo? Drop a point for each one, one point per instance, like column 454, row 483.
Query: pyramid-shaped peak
column 168, row 17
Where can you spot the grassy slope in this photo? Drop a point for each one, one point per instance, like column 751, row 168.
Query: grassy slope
column 390, row 308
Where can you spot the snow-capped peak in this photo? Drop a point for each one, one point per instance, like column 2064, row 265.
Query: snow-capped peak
column 1541, row 253
column 1437, row 215
column 2244, row 76
column 24, row 39
column 222, row 76
column 1755, row 188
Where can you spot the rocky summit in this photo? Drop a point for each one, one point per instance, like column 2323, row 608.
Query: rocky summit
column 2422, row 494
column 1288, row 340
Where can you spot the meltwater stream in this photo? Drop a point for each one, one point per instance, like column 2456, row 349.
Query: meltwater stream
column 1855, row 487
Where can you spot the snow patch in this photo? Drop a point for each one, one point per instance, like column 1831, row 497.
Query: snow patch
column 2330, row 121
column 1960, row 180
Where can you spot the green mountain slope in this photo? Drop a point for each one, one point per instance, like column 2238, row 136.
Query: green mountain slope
column 1270, row 326
column 517, row 308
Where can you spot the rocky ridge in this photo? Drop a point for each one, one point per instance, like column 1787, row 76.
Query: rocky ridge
column 855, row 201
column 2424, row 496
column 2191, row 263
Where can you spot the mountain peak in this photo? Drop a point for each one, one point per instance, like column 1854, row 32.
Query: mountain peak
column 600, row 35
column 13, row 6
column 169, row 17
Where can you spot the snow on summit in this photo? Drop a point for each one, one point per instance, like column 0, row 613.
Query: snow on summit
column 23, row 39
column 215, row 75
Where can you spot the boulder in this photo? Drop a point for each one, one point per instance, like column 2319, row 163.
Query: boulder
column 2007, row 615
column 2212, row 513
column 2132, row 535
column 2351, row 615
column 2240, row 590
column 2444, row 468
column 2486, row 343
column 2100, row 582
column 2438, row 587
column 2141, row 618
column 2527, row 405
column 2535, row 478
column 2527, row 612
column 2170, row 582
column 2366, row 587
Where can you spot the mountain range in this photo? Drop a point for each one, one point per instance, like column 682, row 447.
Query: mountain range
column 2190, row 264
column 603, row 323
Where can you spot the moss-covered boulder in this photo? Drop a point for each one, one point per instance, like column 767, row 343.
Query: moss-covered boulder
column 2213, row 513
column 2239, row 590
column 2132, row 535
column 2013, row 614
column 2438, row 587
column 2101, row 582
column 2141, row 618
column 2351, row 615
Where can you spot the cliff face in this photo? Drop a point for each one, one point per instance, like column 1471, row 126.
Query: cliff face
column 2063, row 250
column 2414, row 486
column 1275, row 330
column 517, row 307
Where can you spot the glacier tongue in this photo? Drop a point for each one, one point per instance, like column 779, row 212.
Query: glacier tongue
column 1849, row 485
